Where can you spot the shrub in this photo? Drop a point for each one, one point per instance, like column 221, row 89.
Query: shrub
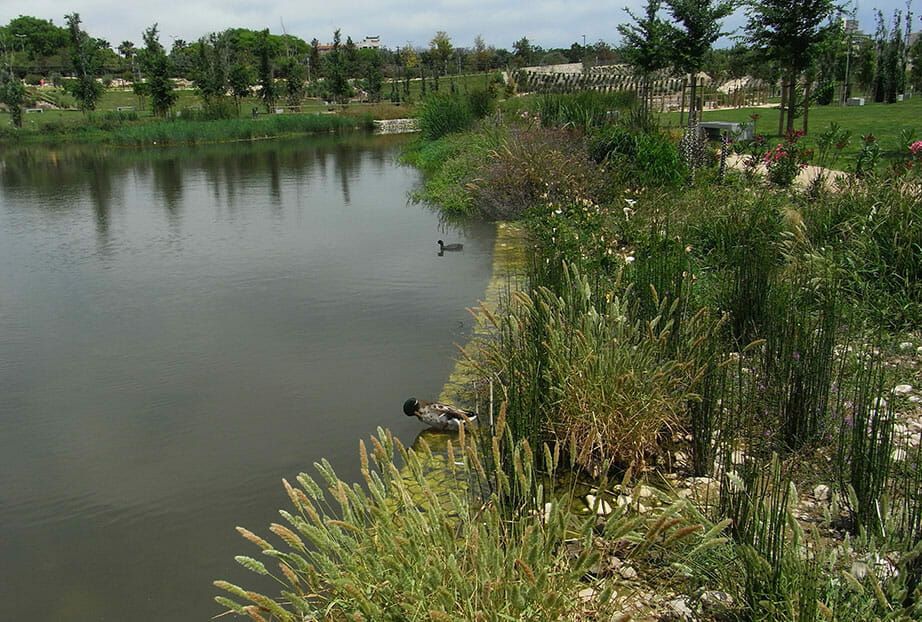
column 574, row 364
column 583, row 110
column 786, row 160
column 442, row 114
column 482, row 102
column 534, row 166
column 408, row 548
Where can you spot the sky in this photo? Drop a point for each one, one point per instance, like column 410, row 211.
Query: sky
column 545, row 22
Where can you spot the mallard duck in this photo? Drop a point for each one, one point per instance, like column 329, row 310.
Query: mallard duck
column 438, row 416
column 449, row 247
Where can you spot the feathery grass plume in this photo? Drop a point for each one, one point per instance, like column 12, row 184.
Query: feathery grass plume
column 252, row 537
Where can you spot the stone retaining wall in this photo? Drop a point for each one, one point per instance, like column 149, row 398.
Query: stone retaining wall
column 396, row 126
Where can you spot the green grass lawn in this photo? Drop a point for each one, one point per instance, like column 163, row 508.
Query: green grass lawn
column 885, row 121
column 53, row 125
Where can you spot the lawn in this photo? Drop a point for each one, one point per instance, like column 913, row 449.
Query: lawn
column 885, row 121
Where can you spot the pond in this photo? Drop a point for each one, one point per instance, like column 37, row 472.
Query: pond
column 181, row 329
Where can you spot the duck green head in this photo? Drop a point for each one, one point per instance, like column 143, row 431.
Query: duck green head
column 410, row 407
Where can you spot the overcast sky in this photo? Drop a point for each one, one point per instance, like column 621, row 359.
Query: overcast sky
column 545, row 22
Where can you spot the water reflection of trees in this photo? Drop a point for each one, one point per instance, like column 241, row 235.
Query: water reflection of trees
column 62, row 178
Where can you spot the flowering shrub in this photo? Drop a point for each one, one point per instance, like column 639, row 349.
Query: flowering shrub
column 785, row 161
column 868, row 157
column 914, row 163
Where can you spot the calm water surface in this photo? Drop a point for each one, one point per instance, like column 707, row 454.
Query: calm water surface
column 180, row 329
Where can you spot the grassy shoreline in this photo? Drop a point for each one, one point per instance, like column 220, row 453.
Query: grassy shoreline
column 728, row 367
column 187, row 132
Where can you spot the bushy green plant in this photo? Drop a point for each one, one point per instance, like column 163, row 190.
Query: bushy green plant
column 441, row 114
column 583, row 110
column 534, row 166
column 586, row 366
column 409, row 547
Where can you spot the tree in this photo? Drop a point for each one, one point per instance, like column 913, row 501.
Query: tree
column 211, row 68
column 239, row 79
column 336, row 70
column 700, row 22
column 522, row 52
column 12, row 94
column 440, row 50
column 156, row 65
column 38, row 38
column 371, row 63
column 85, row 59
column 267, row 91
column 645, row 45
column 789, row 32
column 293, row 72
column 480, row 55
column 915, row 60
column 313, row 61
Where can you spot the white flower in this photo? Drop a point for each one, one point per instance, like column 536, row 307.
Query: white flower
column 629, row 259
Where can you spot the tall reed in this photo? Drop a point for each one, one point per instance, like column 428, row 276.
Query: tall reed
column 865, row 443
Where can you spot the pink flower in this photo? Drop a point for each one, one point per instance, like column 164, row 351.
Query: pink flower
column 916, row 148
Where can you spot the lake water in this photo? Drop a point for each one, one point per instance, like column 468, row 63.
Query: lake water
column 180, row 329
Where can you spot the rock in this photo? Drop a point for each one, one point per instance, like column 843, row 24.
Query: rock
column 623, row 501
column 915, row 399
column 627, row 572
column 684, row 493
column 898, row 455
column 919, row 350
column 599, row 505
column 902, row 389
column 906, row 346
column 586, row 595
column 642, row 509
column 548, row 508
column 717, row 604
column 677, row 610
column 821, row 492
column 644, row 492
column 738, row 457
column 681, row 459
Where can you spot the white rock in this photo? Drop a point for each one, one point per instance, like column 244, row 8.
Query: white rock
column 902, row 389
column 919, row 350
column 821, row 492
column 681, row 459
column 641, row 508
column 898, row 455
column 623, row 501
column 678, row 609
column 906, row 345
column 645, row 492
column 599, row 505
column 915, row 399
column 586, row 594
column 627, row 572
column 716, row 603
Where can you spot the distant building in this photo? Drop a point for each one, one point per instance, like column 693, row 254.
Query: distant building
column 373, row 42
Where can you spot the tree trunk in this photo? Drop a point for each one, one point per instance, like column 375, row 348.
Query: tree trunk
column 784, row 101
column 807, row 90
column 682, row 104
column 792, row 102
column 693, row 105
